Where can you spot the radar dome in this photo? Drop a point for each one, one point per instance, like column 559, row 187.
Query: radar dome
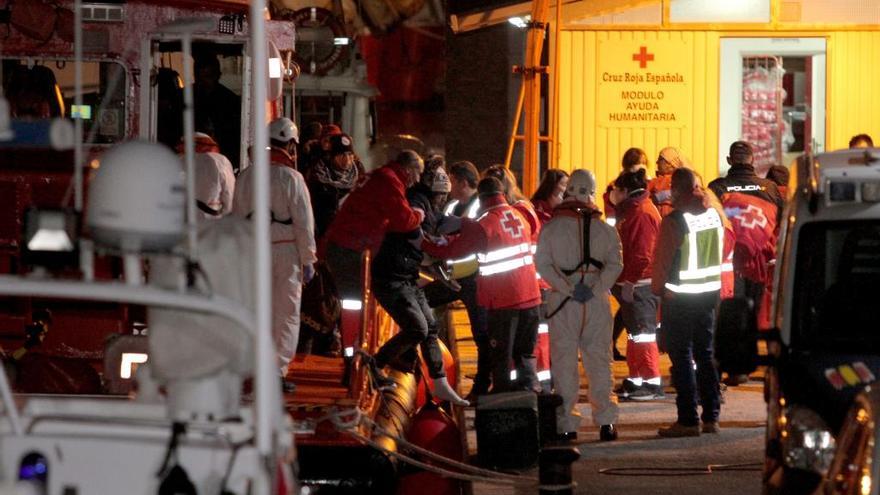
column 137, row 198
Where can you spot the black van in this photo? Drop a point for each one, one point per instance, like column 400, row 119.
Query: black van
column 825, row 344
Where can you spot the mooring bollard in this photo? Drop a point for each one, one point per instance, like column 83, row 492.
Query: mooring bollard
column 547, row 406
column 554, row 469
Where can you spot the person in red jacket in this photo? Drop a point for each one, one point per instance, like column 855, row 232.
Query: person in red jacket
column 633, row 159
column 638, row 223
column 517, row 200
column 506, row 283
column 379, row 206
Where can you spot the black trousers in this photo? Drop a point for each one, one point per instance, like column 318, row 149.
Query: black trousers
column 408, row 307
column 512, row 336
column 345, row 266
column 749, row 289
column 438, row 294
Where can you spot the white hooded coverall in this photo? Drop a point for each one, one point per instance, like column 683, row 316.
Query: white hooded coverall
column 292, row 247
column 215, row 183
column 580, row 326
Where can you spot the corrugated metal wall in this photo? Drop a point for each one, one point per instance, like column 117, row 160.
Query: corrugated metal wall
column 853, row 84
column 853, row 99
column 583, row 144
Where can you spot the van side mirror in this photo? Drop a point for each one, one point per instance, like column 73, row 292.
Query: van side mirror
column 736, row 336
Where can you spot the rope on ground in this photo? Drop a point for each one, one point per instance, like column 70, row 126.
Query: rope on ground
column 680, row 471
column 438, row 470
column 349, row 420
column 452, row 462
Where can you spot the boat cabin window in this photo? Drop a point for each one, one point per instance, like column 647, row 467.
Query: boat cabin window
column 325, row 108
column 44, row 88
column 217, row 81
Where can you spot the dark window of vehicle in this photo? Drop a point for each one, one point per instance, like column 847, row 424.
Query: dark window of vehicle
column 837, row 286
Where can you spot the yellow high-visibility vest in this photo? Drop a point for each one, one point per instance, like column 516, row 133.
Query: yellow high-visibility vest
column 701, row 258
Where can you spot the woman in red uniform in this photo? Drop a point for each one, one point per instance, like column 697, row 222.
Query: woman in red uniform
column 549, row 193
column 633, row 159
column 638, row 223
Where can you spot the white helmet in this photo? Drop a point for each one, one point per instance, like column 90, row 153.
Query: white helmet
column 283, row 129
column 137, row 198
column 581, row 185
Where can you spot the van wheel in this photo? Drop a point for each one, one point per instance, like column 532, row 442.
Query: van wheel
column 780, row 480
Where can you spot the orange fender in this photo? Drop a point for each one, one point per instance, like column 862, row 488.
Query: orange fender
column 432, row 429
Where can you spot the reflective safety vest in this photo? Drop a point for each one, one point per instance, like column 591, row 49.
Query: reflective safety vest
column 506, row 268
column 467, row 266
column 701, row 255
column 470, row 213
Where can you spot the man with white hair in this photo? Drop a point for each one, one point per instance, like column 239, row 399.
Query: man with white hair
column 579, row 256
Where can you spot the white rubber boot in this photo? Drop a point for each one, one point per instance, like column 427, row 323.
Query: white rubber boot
column 444, row 392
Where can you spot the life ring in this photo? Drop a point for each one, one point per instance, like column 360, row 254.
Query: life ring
column 317, row 31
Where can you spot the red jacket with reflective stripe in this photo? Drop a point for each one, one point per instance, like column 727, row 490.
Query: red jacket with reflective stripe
column 638, row 223
column 531, row 217
column 502, row 237
column 379, row 206
column 530, row 214
column 754, row 207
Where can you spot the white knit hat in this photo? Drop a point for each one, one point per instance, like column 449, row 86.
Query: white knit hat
column 440, row 182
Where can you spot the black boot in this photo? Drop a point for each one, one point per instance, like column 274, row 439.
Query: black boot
column 607, row 433
column 527, row 375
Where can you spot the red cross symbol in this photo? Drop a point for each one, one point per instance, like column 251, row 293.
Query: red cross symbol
column 511, row 224
column 751, row 217
column 643, row 57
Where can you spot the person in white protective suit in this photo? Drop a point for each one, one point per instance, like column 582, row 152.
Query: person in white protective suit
column 580, row 275
column 293, row 235
column 215, row 185
column 215, row 180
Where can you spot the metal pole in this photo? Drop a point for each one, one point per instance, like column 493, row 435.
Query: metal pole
column 9, row 404
column 532, row 76
column 189, row 150
column 553, row 146
column 514, row 132
column 266, row 373
column 78, row 153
